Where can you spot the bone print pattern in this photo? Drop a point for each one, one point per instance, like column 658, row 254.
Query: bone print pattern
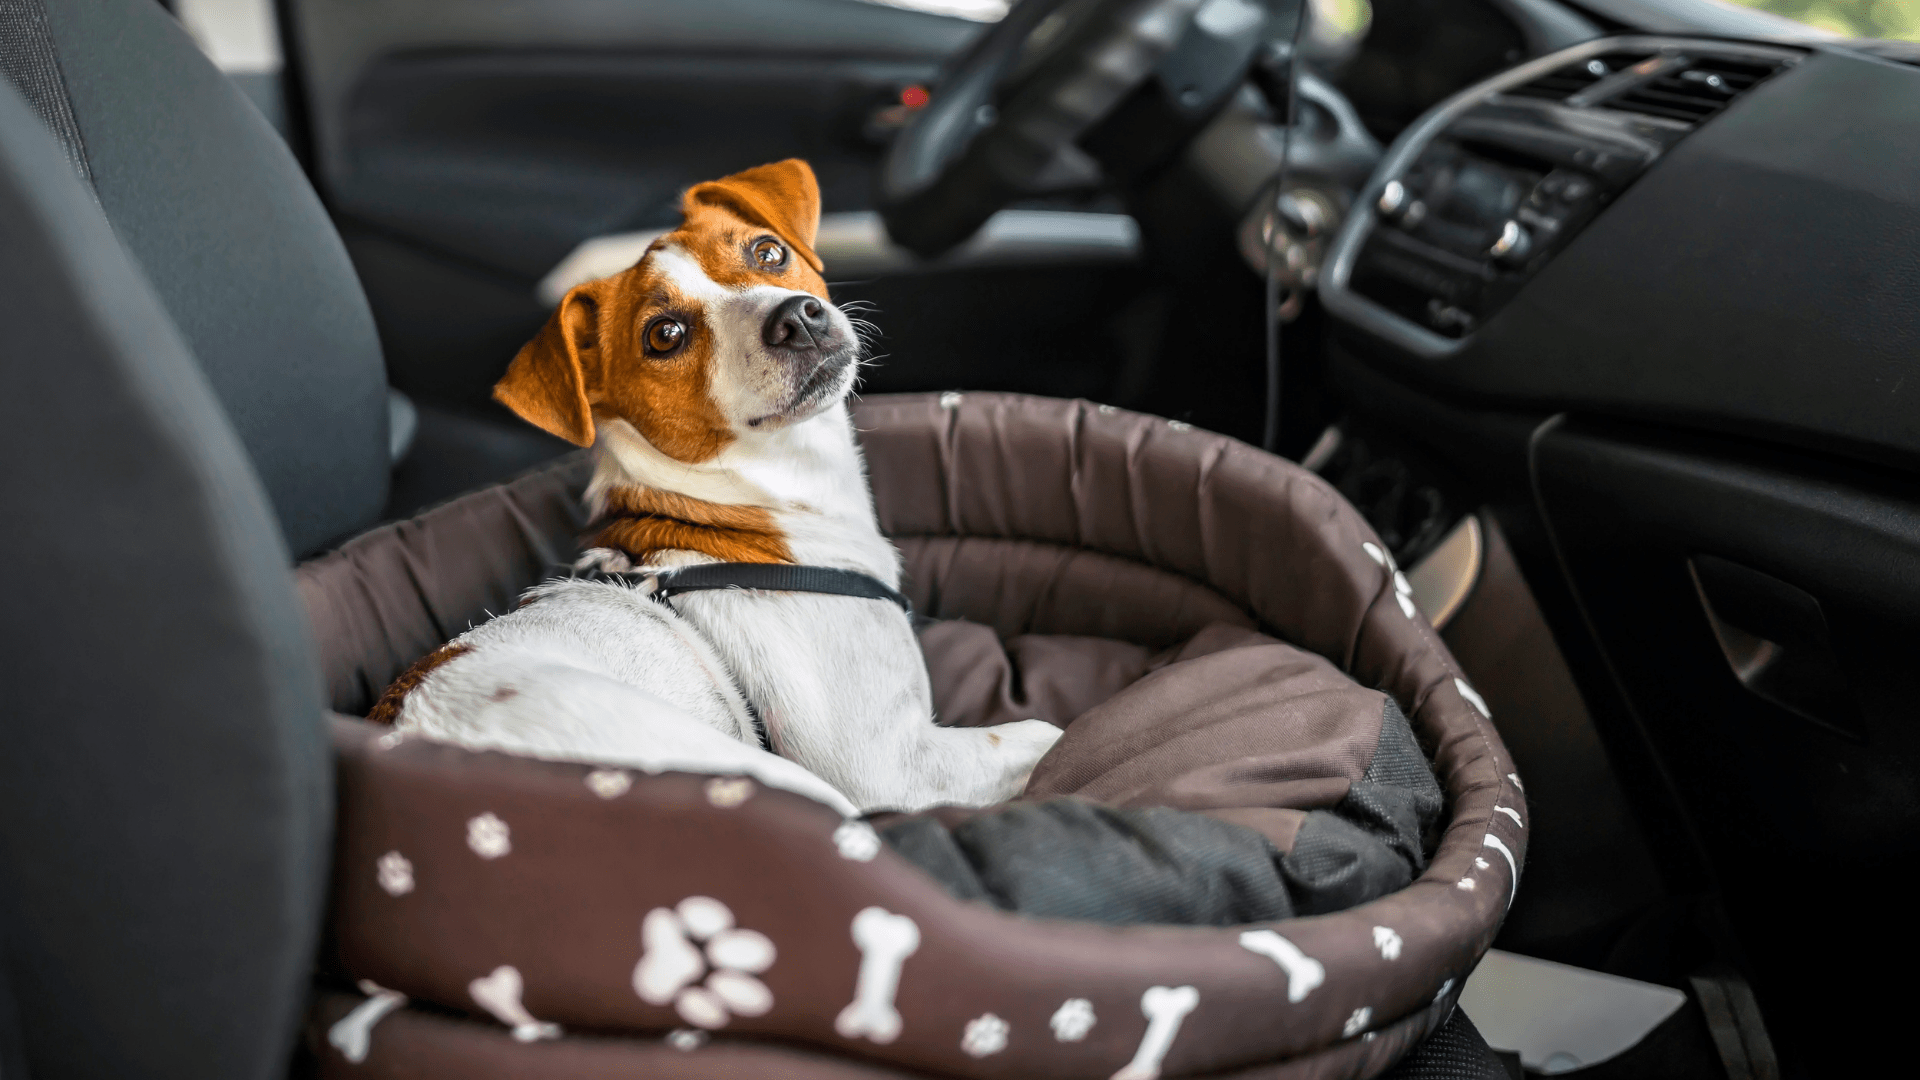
column 1402, row 588
column 499, row 994
column 885, row 940
column 1304, row 973
column 1166, row 1008
column 1513, row 881
column 352, row 1035
column 1478, row 702
column 698, row 938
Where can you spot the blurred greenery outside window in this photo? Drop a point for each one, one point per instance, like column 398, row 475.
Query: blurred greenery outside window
column 1895, row 19
column 1342, row 20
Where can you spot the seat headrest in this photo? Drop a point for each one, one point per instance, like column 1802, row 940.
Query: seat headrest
column 213, row 207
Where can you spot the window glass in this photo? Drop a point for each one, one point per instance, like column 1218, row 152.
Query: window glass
column 1898, row 20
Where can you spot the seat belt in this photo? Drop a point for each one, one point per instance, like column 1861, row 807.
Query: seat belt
column 28, row 58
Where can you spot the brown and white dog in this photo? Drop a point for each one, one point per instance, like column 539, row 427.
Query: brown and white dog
column 711, row 381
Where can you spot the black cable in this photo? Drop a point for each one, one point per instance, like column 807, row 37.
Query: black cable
column 1270, row 435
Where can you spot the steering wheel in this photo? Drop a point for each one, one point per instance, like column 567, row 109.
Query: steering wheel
column 1006, row 112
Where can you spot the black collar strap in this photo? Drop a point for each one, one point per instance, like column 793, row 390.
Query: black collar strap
column 770, row 577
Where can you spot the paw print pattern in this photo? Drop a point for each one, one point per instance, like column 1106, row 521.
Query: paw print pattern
column 1387, row 940
column 698, row 938
column 394, row 873
column 609, row 783
column 985, row 1035
column 488, row 836
column 1072, row 1020
column 857, row 841
column 727, row 792
column 1357, row 1023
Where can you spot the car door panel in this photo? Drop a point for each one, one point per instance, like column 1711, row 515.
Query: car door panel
column 1691, row 555
column 465, row 149
column 511, row 159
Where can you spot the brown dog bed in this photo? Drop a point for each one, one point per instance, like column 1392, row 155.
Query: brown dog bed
column 1234, row 659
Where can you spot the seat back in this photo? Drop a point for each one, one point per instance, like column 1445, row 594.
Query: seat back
column 164, row 788
column 210, row 203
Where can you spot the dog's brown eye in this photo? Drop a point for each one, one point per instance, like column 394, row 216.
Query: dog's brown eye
column 664, row 336
column 770, row 254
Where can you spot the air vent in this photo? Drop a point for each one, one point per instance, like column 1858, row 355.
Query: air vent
column 1695, row 89
column 1562, row 83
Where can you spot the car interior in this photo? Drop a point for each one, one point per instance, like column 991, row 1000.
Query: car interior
column 1597, row 311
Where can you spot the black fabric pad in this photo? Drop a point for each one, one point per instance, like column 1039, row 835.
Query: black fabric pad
column 164, row 791
column 213, row 207
column 1072, row 859
column 1375, row 840
column 1455, row 1051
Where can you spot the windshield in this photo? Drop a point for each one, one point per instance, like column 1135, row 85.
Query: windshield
column 1898, row 20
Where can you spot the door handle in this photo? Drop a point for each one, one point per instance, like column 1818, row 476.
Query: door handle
column 1776, row 641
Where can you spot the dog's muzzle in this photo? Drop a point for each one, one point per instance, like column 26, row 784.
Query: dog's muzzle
column 799, row 324
column 800, row 333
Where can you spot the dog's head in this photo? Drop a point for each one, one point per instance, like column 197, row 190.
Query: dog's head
column 723, row 330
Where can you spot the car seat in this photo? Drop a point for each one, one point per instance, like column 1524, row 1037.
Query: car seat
column 192, row 413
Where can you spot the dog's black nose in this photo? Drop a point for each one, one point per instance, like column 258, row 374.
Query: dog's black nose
column 800, row 322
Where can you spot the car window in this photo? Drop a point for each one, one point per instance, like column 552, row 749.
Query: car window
column 1897, row 20
column 977, row 10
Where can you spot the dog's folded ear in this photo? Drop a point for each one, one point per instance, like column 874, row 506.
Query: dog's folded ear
column 550, row 380
column 782, row 196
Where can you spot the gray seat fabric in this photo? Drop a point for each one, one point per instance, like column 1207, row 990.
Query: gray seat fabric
column 164, row 790
column 212, row 206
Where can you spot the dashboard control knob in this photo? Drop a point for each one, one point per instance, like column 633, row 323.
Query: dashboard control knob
column 1514, row 245
column 1392, row 198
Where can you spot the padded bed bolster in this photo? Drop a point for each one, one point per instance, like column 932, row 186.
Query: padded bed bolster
column 396, row 593
column 1022, row 586
column 431, row 900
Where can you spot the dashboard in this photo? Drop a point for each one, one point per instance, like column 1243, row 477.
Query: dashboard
column 1716, row 233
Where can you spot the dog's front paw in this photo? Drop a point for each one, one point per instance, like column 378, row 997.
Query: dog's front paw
column 1023, row 743
column 605, row 560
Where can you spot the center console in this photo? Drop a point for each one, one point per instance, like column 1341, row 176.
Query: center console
column 1478, row 197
